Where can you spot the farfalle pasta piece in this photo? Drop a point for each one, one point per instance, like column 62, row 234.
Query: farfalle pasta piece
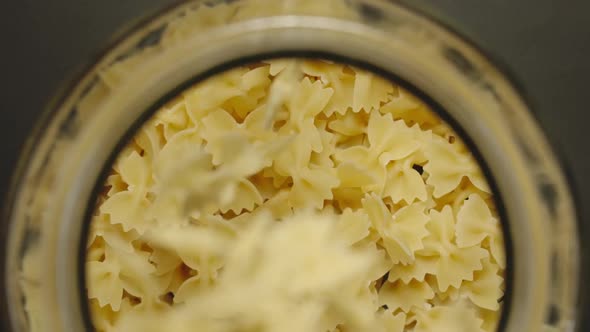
column 455, row 264
column 353, row 176
column 338, row 77
column 189, row 288
column 369, row 91
column 312, row 184
column 295, row 157
column 181, row 181
column 119, row 271
column 388, row 140
column 391, row 140
column 264, row 184
column 103, row 318
column 278, row 65
column 135, row 171
column 115, row 184
column 137, row 312
column 160, row 289
column 127, row 208
column 404, row 183
column 278, row 177
column 193, row 185
column 485, row 290
column 368, row 173
column 256, row 78
column 94, row 250
column 149, row 140
column 402, row 232
column 175, row 279
column 200, row 247
column 390, row 322
column 405, row 106
column 377, row 273
column 475, row 223
column 246, row 197
column 164, row 261
column 137, row 275
column 349, row 124
column 449, row 296
column 457, row 197
column 353, row 225
column 185, row 142
column 210, row 94
column 308, row 100
column 447, row 167
column 320, row 69
column 345, row 142
column 208, row 267
column 278, row 206
column 206, row 264
column 402, row 105
column 219, row 125
column 403, row 296
column 113, row 234
column 343, row 85
column 456, row 318
column 324, row 157
column 312, row 139
column 172, row 119
column 254, row 85
column 416, row 270
column 348, row 197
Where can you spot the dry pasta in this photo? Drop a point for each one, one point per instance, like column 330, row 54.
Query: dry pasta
column 352, row 210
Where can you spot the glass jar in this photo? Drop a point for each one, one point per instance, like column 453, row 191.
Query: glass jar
column 65, row 158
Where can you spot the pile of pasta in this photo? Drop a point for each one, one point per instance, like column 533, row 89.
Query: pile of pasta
column 346, row 205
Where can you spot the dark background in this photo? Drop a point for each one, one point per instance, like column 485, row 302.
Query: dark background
column 545, row 44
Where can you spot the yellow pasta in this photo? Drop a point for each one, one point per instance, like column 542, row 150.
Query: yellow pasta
column 342, row 205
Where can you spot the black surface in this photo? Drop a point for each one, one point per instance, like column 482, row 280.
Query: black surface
column 545, row 44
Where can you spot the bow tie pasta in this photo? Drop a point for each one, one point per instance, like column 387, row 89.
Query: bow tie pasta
column 344, row 205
